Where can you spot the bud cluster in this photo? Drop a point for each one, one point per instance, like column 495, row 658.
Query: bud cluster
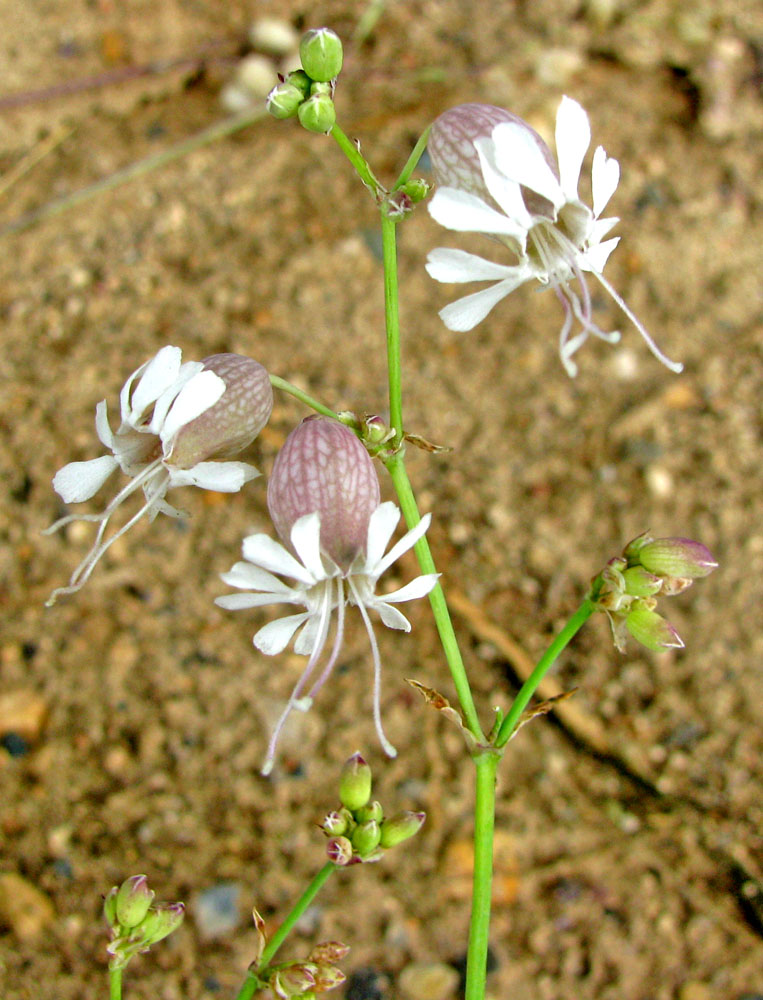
column 628, row 586
column 307, row 93
column 136, row 921
column 358, row 830
column 307, row 979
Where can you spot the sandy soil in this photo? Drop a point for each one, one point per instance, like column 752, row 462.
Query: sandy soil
column 629, row 850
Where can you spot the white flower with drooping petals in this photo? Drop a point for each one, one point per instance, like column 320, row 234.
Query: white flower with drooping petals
column 498, row 177
column 174, row 418
column 335, row 556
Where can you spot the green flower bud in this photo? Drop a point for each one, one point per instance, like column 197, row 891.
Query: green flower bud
column 294, row 980
column 365, row 838
column 110, row 906
column 417, row 189
column 651, row 629
column 372, row 811
column 400, row 827
column 316, row 87
column 133, row 900
column 160, row 922
column 284, row 100
column 317, row 114
column 639, row 582
column 328, row 977
column 355, row 783
column 677, row 557
column 337, row 823
column 320, row 52
column 299, row 79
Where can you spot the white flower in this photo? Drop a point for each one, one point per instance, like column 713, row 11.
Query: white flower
column 174, row 417
column 321, row 587
column 524, row 200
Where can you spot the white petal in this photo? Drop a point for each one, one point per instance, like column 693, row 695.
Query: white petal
column 264, row 551
column 156, row 375
column 237, row 602
column 573, row 137
column 381, row 527
column 408, row 540
column 506, row 192
column 459, row 266
column 419, row 587
column 196, row 396
column 599, row 229
column 520, row 159
column 605, row 176
column 78, row 481
column 275, row 636
column 305, row 643
column 247, row 577
column 224, row 477
column 306, row 539
column 102, row 425
column 464, row 314
column 167, row 398
column 391, row 617
column 465, row 213
column 595, row 258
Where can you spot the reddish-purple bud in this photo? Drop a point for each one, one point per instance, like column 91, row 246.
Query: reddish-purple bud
column 329, row 952
column 455, row 161
column 339, row 851
column 328, row 977
column 323, row 467
column 234, row 421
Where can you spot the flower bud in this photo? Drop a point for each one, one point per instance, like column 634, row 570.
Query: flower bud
column 322, row 467
column 400, row 827
column 372, row 811
column 355, row 783
column 455, row 161
column 339, row 851
column 639, row 582
column 365, row 838
column 677, row 557
column 132, row 901
column 320, row 52
column 284, row 100
column 329, row 952
column 317, row 114
column 294, row 980
column 110, row 907
column 234, row 421
column 328, row 977
column 161, row 921
column 651, row 629
column 337, row 823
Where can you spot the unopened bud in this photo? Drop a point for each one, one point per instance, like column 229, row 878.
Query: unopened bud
column 320, row 52
column 284, row 100
column 339, row 851
column 365, row 838
column 329, row 952
column 355, row 783
column 639, row 582
column 161, row 921
column 401, row 827
column 337, row 822
column 317, row 114
column 132, row 901
column 328, row 977
column 651, row 629
column 373, row 811
column 677, row 557
column 110, row 907
column 294, row 980
column 234, row 421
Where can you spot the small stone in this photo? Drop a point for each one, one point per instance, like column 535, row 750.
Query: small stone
column 216, row 910
column 23, row 712
column 659, row 481
column 273, row 36
column 24, row 908
column 367, row 984
column 422, row 981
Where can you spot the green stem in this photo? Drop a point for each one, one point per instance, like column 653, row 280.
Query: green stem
column 413, row 159
column 253, row 981
column 358, row 161
column 115, row 984
column 396, row 468
column 280, row 383
column 479, row 924
column 389, row 251
column 529, row 687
